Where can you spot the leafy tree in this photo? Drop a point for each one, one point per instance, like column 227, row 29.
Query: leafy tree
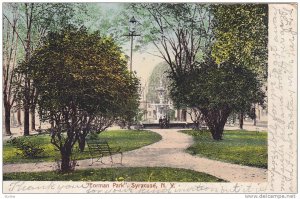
column 128, row 106
column 131, row 113
column 181, row 32
column 241, row 33
column 29, row 24
column 83, row 86
column 113, row 20
column 216, row 91
column 10, row 49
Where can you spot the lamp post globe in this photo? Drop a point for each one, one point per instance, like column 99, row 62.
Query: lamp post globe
column 132, row 25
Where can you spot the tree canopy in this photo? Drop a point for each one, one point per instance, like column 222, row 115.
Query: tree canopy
column 216, row 91
column 241, row 34
column 83, row 85
column 181, row 32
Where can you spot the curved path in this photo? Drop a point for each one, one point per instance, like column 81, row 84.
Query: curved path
column 168, row 152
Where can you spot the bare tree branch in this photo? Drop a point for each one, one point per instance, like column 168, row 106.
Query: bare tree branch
column 14, row 30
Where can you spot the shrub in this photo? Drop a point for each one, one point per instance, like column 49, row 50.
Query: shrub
column 26, row 148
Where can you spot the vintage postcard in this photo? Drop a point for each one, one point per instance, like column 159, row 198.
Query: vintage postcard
column 103, row 98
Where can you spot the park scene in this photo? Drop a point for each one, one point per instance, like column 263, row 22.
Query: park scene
column 141, row 92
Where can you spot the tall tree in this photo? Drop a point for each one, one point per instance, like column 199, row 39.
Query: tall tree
column 35, row 20
column 83, row 84
column 241, row 32
column 216, row 91
column 181, row 32
column 10, row 49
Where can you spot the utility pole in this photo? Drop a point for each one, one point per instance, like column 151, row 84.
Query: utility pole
column 132, row 33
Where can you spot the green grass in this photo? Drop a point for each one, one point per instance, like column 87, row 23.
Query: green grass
column 239, row 147
column 139, row 174
column 126, row 139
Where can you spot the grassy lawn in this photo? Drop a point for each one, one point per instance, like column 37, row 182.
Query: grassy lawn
column 239, row 147
column 126, row 139
column 142, row 174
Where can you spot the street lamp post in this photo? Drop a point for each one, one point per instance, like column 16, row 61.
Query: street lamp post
column 132, row 33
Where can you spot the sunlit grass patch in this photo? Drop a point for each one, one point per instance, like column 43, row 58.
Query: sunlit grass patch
column 125, row 139
column 240, row 147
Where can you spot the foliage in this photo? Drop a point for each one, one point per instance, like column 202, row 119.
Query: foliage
column 171, row 114
column 28, row 24
column 216, row 91
column 130, row 111
column 47, row 17
column 135, row 174
column 181, row 32
column 126, row 139
column 26, row 148
column 83, row 85
column 85, row 69
column 241, row 32
column 113, row 20
column 139, row 117
column 35, row 20
column 239, row 147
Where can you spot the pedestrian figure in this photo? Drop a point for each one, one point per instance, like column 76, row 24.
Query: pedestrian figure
column 164, row 122
column 160, row 123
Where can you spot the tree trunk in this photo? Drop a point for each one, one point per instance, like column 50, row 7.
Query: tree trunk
column 27, row 49
column 26, row 120
column 32, row 111
column 7, row 120
column 215, row 120
column 217, row 129
column 19, row 117
column 233, row 118
column 241, row 118
column 65, row 163
column 218, row 132
column 81, row 142
column 26, row 101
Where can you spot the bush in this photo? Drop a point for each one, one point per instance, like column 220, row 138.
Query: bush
column 26, row 148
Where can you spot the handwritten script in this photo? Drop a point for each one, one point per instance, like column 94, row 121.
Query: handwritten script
column 132, row 187
column 282, row 98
